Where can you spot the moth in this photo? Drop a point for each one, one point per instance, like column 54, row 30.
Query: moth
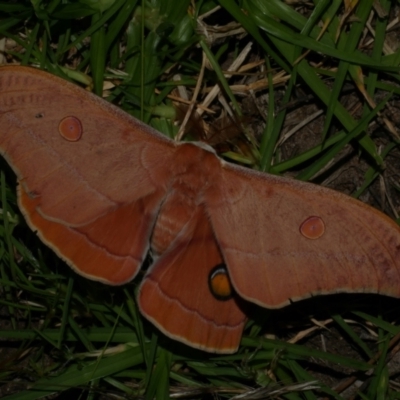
column 103, row 189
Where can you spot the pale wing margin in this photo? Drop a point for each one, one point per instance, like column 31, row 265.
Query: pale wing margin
column 257, row 217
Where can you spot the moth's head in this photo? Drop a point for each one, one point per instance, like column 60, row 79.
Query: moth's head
column 202, row 145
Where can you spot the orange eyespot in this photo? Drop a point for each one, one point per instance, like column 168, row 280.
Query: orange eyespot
column 70, row 129
column 219, row 283
column 312, row 228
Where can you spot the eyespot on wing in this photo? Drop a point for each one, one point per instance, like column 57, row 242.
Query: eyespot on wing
column 70, row 128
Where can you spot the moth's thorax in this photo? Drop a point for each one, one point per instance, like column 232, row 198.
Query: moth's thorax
column 193, row 172
column 192, row 159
